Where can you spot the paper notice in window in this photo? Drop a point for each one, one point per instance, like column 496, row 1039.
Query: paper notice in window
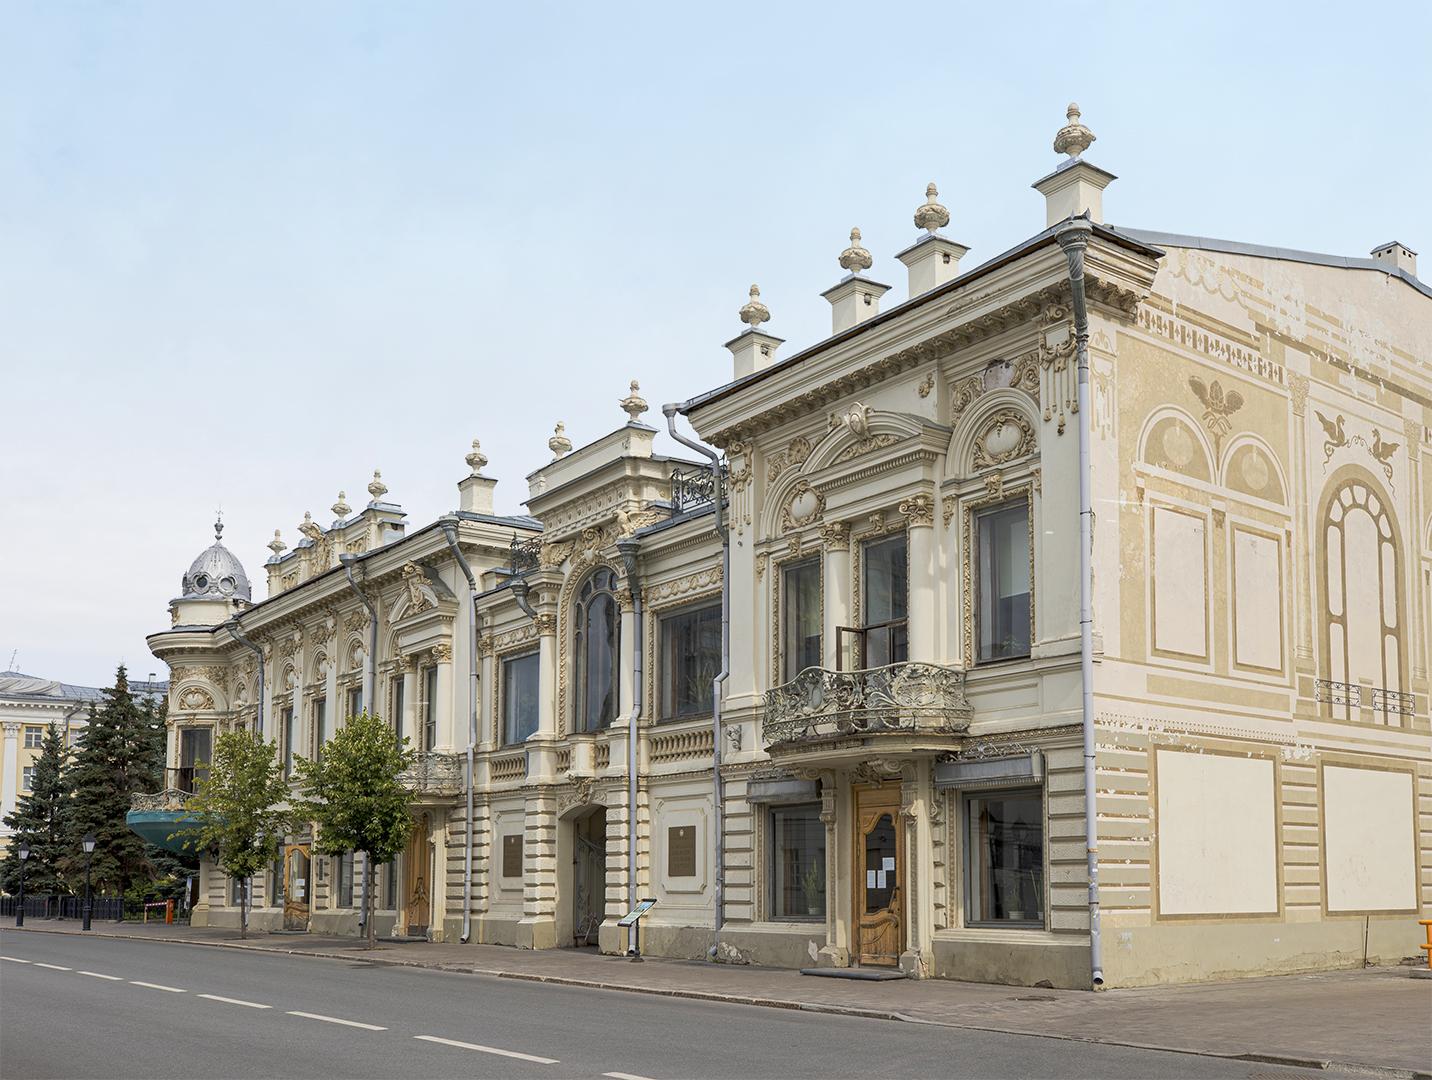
column 887, row 865
column 870, row 879
column 880, row 879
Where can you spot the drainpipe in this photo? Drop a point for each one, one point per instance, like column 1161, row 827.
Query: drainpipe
column 369, row 679
column 232, row 626
column 719, row 875
column 1074, row 239
column 449, row 525
column 628, row 547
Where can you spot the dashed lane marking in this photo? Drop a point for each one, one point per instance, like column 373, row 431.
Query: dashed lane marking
column 16, row 960
column 235, row 1001
column 336, row 1020
column 53, row 967
column 97, row 975
column 626, row 1076
column 488, row 1049
column 156, row 986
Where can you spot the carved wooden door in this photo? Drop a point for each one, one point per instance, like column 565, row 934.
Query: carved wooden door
column 296, row 888
column 879, row 876
column 419, row 892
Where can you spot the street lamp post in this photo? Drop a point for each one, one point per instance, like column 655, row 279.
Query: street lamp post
column 88, row 844
column 24, row 853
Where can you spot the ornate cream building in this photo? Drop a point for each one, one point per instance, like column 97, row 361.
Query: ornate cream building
column 921, row 734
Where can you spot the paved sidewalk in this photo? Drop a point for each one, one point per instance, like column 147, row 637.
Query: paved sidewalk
column 1377, row 1019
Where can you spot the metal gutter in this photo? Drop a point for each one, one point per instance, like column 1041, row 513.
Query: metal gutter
column 449, row 527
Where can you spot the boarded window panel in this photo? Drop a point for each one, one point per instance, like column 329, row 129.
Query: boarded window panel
column 1217, row 846
column 1258, row 600
column 1180, row 571
column 1369, row 830
column 681, row 851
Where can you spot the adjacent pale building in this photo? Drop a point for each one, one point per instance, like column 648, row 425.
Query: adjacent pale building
column 904, row 749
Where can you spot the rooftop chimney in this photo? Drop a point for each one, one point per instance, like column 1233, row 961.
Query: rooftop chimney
column 753, row 349
column 932, row 259
column 1076, row 186
column 475, row 490
column 1398, row 255
column 855, row 298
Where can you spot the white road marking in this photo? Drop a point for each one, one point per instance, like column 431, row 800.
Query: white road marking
column 97, row 975
column 488, row 1049
column 336, row 1020
column 626, row 1076
column 53, row 967
column 156, row 986
column 235, row 1001
column 16, row 960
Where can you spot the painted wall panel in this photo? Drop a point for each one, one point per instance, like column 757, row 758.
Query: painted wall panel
column 1369, row 830
column 1258, row 600
column 1180, row 583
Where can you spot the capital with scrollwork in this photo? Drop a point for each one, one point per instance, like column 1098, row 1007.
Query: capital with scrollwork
column 918, row 510
column 835, row 535
column 545, row 624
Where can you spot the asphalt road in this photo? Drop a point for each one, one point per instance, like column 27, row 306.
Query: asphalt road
column 112, row 1008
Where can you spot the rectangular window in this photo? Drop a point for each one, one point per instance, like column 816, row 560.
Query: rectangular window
column 320, row 727
column 797, row 862
column 287, row 722
column 275, row 889
column 27, row 778
column 430, row 708
column 194, row 756
column 690, row 660
column 34, row 737
column 801, row 630
column 390, row 887
column 398, row 684
column 343, row 874
column 1005, row 867
column 236, row 891
column 1004, row 582
column 355, row 701
column 520, row 677
column 886, row 593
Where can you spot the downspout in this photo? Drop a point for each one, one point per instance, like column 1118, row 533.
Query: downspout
column 628, row 547
column 718, row 846
column 369, row 681
column 1074, row 239
column 449, row 524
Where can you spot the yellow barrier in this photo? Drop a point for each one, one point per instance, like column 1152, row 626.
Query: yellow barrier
column 1428, row 943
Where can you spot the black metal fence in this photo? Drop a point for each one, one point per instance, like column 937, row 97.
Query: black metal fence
column 692, row 489
column 64, row 907
column 525, row 554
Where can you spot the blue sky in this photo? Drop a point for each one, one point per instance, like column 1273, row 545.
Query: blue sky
column 254, row 251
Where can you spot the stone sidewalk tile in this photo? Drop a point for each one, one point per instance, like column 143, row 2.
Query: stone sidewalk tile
column 1376, row 1018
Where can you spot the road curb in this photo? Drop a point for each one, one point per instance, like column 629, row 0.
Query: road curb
column 1320, row 1064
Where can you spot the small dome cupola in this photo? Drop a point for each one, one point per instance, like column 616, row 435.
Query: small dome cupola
column 216, row 574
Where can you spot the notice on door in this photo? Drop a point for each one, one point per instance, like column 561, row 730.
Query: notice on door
column 870, row 880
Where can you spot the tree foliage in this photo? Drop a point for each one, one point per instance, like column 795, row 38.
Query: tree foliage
column 122, row 752
column 237, row 810
column 353, row 795
column 36, row 820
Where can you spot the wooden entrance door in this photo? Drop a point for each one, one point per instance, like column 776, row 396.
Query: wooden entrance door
column 419, row 886
column 879, row 866
column 296, row 888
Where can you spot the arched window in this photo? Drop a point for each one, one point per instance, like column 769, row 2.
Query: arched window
column 598, row 638
column 1362, row 589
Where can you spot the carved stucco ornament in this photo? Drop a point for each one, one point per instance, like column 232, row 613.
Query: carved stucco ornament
column 477, row 459
column 804, row 506
column 195, row 698
column 341, row 509
column 1007, row 436
column 1073, row 138
column 855, row 258
column 276, row 545
column 633, row 404
column 377, row 488
column 932, row 215
column 754, row 312
column 559, row 444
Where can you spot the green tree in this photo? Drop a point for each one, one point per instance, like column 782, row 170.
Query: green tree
column 122, row 753
column 36, row 821
column 237, row 810
column 353, row 794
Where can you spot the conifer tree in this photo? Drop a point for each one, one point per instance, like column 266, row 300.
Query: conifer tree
column 36, row 821
column 122, row 744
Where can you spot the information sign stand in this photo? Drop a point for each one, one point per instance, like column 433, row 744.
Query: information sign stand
column 633, row 919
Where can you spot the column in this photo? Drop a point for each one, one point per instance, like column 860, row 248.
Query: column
column 408, row 722
column 445, row 707
column 1302, row 559
column 1417, row 640
column 10, row 780
column 836, row 582
column 919, row 511
column 626, row 661
column 834, row 954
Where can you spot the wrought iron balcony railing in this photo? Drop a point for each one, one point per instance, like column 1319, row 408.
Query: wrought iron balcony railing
column 525, row 554
column 433, row 774
column 692, row 489
column 911, row 698
column 159, row 802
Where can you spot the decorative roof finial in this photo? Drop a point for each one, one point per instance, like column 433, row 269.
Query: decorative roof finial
column 218, row 526
column 855, row 258
column 754, row 312
column 559, row 444
column 377, row 488
column 477, row 459
column 309, row 528
column 633, row 404
column 1073, row 138
column 276, row 545
column 341, row 508
column 932, row 215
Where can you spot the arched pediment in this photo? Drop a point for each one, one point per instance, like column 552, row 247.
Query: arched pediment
column 1000, row 428
column 861, row 430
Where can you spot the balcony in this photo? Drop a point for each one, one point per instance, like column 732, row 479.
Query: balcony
column 820, row 708
column 433, row 774
column 159, row 816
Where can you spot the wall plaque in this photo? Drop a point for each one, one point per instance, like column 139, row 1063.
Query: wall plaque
column 681, row 851
column 512, row 856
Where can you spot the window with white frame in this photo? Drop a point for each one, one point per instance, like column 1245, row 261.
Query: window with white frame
column 690, row 660
column 27, row 778
column 343, row 879
column 1004, row 869
column 521, row 677
column 1003, row 615
column 34, row 737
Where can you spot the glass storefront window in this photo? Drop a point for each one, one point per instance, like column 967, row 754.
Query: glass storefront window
column 1005, row 857
column 798, row 862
